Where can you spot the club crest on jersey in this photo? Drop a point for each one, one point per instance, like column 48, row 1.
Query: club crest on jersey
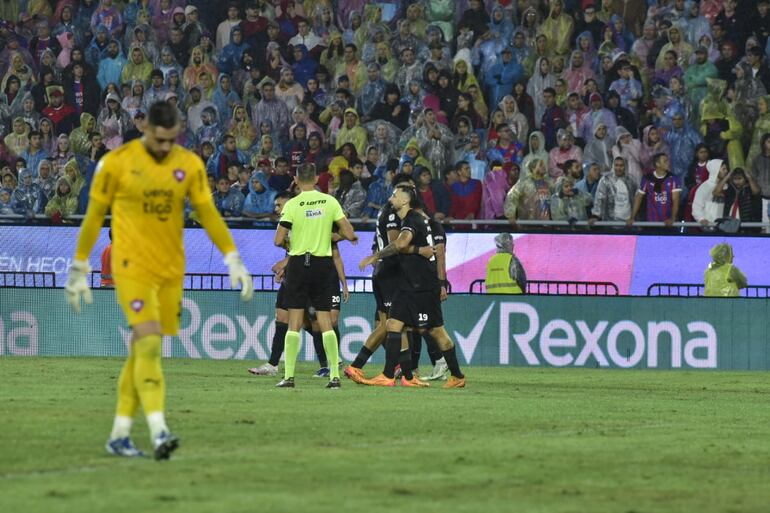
column 179, row 174
column 137, row 305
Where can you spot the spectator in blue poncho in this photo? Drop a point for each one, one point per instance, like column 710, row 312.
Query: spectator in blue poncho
column 304, row 66
column 230, row 57
column 501, row 76
column 229, row 201
column 225, row 98
column 259, row 202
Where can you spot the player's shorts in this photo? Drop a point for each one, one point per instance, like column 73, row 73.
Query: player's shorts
column 334, row 285
column 144, row 302
column 384, row 286
column 420, row 309
column 311, row 285
column 280, row 298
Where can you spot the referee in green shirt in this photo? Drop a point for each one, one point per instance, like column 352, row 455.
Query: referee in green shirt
column 308, row 220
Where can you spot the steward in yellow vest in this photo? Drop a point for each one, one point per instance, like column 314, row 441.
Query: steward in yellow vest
column 505, row 274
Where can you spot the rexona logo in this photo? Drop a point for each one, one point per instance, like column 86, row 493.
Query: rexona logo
column 623, row 343
column 19, row 334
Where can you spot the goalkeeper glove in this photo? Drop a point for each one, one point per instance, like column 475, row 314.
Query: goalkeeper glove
column 239, row 274
column 77, row 285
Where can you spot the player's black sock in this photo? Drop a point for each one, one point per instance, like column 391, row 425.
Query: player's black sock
column 362, row 358
column 337, row 332
column 405, row 360
column 392, row 353
column 276, row 349
column 451, row 360
column 415, row 344
column 433, row 351
column 318, row 345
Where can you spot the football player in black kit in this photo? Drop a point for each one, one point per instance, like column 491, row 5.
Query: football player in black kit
column 384, row 282
column 416, row 302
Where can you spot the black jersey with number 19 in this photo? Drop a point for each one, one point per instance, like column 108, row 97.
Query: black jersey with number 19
column 418, row 273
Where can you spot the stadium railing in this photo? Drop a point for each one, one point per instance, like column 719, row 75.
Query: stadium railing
column 559, row 288
column 692, row 228
column 696, row 290
column 16, row 279
column 262, row 282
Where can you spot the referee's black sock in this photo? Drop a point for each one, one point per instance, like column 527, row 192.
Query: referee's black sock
column 415, row 345
column 405, row 360
column 318, row 345
column 392, row 353
column 433, row 351
column 362, row 358
column 279, row 339
column 451, row 360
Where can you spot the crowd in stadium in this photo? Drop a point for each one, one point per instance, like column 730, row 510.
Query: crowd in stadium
column 517, row 109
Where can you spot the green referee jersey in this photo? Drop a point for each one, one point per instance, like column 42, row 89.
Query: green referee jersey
column 311, row 217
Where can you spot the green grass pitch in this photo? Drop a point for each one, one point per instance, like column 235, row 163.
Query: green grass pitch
column 515, row 440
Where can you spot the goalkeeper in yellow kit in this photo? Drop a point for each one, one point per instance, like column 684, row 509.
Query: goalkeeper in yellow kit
column 145, row 183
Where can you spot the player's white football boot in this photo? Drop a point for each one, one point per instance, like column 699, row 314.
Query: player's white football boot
column 440, row 370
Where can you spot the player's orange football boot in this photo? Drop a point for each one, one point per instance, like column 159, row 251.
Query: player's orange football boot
column 355, row 374
column 414, row 382
column 454, row 382
column 380, row 381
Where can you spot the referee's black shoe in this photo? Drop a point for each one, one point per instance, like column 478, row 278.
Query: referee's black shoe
column 334, row 383
column 285, row 383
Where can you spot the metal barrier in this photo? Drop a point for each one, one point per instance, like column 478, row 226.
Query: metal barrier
column 262, row 282
column 16, row 279
column 696, row 290
column 559, row 288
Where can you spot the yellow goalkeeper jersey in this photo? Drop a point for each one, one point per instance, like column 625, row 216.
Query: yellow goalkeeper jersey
column 147, row 201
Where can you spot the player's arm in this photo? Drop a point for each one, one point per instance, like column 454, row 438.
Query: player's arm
column 208, row 216
column 340, row 266
column 400, row 245
column 102, row 192
column 441, row 269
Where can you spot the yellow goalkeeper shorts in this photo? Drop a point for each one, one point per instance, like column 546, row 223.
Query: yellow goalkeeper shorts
column 144, row 302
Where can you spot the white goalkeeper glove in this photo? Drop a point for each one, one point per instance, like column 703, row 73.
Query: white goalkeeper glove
column 239, row 274
column 77, row 285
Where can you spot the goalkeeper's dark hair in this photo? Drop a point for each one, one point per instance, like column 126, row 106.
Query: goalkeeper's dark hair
column 306, row 173
column 163, row 114
column 414, row 199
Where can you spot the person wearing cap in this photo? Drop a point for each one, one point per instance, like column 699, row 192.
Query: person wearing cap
column 61, row 115
column 696, row 75
column 501, row 76
column 505, row 274
column 192, row 29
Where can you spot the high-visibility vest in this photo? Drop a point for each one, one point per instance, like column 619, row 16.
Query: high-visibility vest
column 106, row 275
column 718, row 283
column 498, row 278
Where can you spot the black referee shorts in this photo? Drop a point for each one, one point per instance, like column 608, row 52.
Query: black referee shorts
column 384, row 286
column 311, row 285
column 420, row 309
